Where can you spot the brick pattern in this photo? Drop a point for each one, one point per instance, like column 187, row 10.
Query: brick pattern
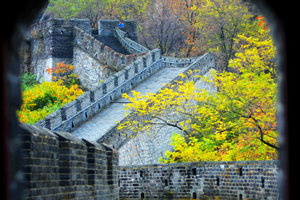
column 51, row 41
column 60, row 166
column 204, row 180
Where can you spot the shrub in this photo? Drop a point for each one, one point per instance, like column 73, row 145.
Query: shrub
column 43, row 99
column 65, row 73
column 28, row 80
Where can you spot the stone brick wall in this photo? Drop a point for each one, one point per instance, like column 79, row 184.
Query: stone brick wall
column 52, row 42
column 71, row 42
column 90, row 55
column 60, row 166
column 251, row 180
column 178, row 62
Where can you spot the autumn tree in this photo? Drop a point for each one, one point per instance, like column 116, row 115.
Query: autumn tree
column 92, row 10
column 162, row 29
column 186, row 12
column 89, row 9
column 127, row 9
column 220, row 22
column 238, row 122
column 65, row 9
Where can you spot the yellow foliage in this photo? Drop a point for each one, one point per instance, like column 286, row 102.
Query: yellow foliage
column 236, row 123
column 42, row 99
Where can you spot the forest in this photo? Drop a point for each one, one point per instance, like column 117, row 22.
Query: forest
column 239, row 120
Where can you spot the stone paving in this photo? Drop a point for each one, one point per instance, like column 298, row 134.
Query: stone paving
column 101, row 123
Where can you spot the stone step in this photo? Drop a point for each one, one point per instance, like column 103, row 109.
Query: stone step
column 113, row 43
column 101, row 123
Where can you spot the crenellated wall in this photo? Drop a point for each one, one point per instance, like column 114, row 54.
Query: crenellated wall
column 71, row 42
column 60, row 166
column 178, row 62
column 92, row 102
column 57, row 165
column 107, row 28
column 236, row 180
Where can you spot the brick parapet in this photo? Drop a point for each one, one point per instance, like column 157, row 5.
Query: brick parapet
column 59, row 166
column 201, row 180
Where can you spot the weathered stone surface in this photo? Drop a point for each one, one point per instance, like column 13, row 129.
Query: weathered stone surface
column 252, row 180
column 60, row 166
column 107, row 27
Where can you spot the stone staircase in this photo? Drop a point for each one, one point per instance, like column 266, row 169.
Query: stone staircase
column 107, row 119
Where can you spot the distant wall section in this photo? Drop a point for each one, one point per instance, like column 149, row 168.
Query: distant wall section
column 107, row 28
column 93, row 61
column 251, row 180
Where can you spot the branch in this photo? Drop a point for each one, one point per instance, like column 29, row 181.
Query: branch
column 261, row 138
column 267, row 143
column 262, row 135
column 168, row 124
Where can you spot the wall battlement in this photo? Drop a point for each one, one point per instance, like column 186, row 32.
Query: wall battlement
column 60, row 166
column 236, row 180
column 71, row 42
column 52, row 42
column 90, row 56
column 118, row 139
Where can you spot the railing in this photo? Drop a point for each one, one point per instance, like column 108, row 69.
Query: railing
column 130, row 45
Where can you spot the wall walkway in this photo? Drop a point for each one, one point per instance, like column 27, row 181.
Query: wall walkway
column 101, row 123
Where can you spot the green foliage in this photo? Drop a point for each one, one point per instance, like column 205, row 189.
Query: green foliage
column 220, row 23
column 42, row 99
column 39, row 100
column 128, row 9
column 28, row 80
column 65, row 9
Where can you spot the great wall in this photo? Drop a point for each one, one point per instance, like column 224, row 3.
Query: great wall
column 77, row 153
